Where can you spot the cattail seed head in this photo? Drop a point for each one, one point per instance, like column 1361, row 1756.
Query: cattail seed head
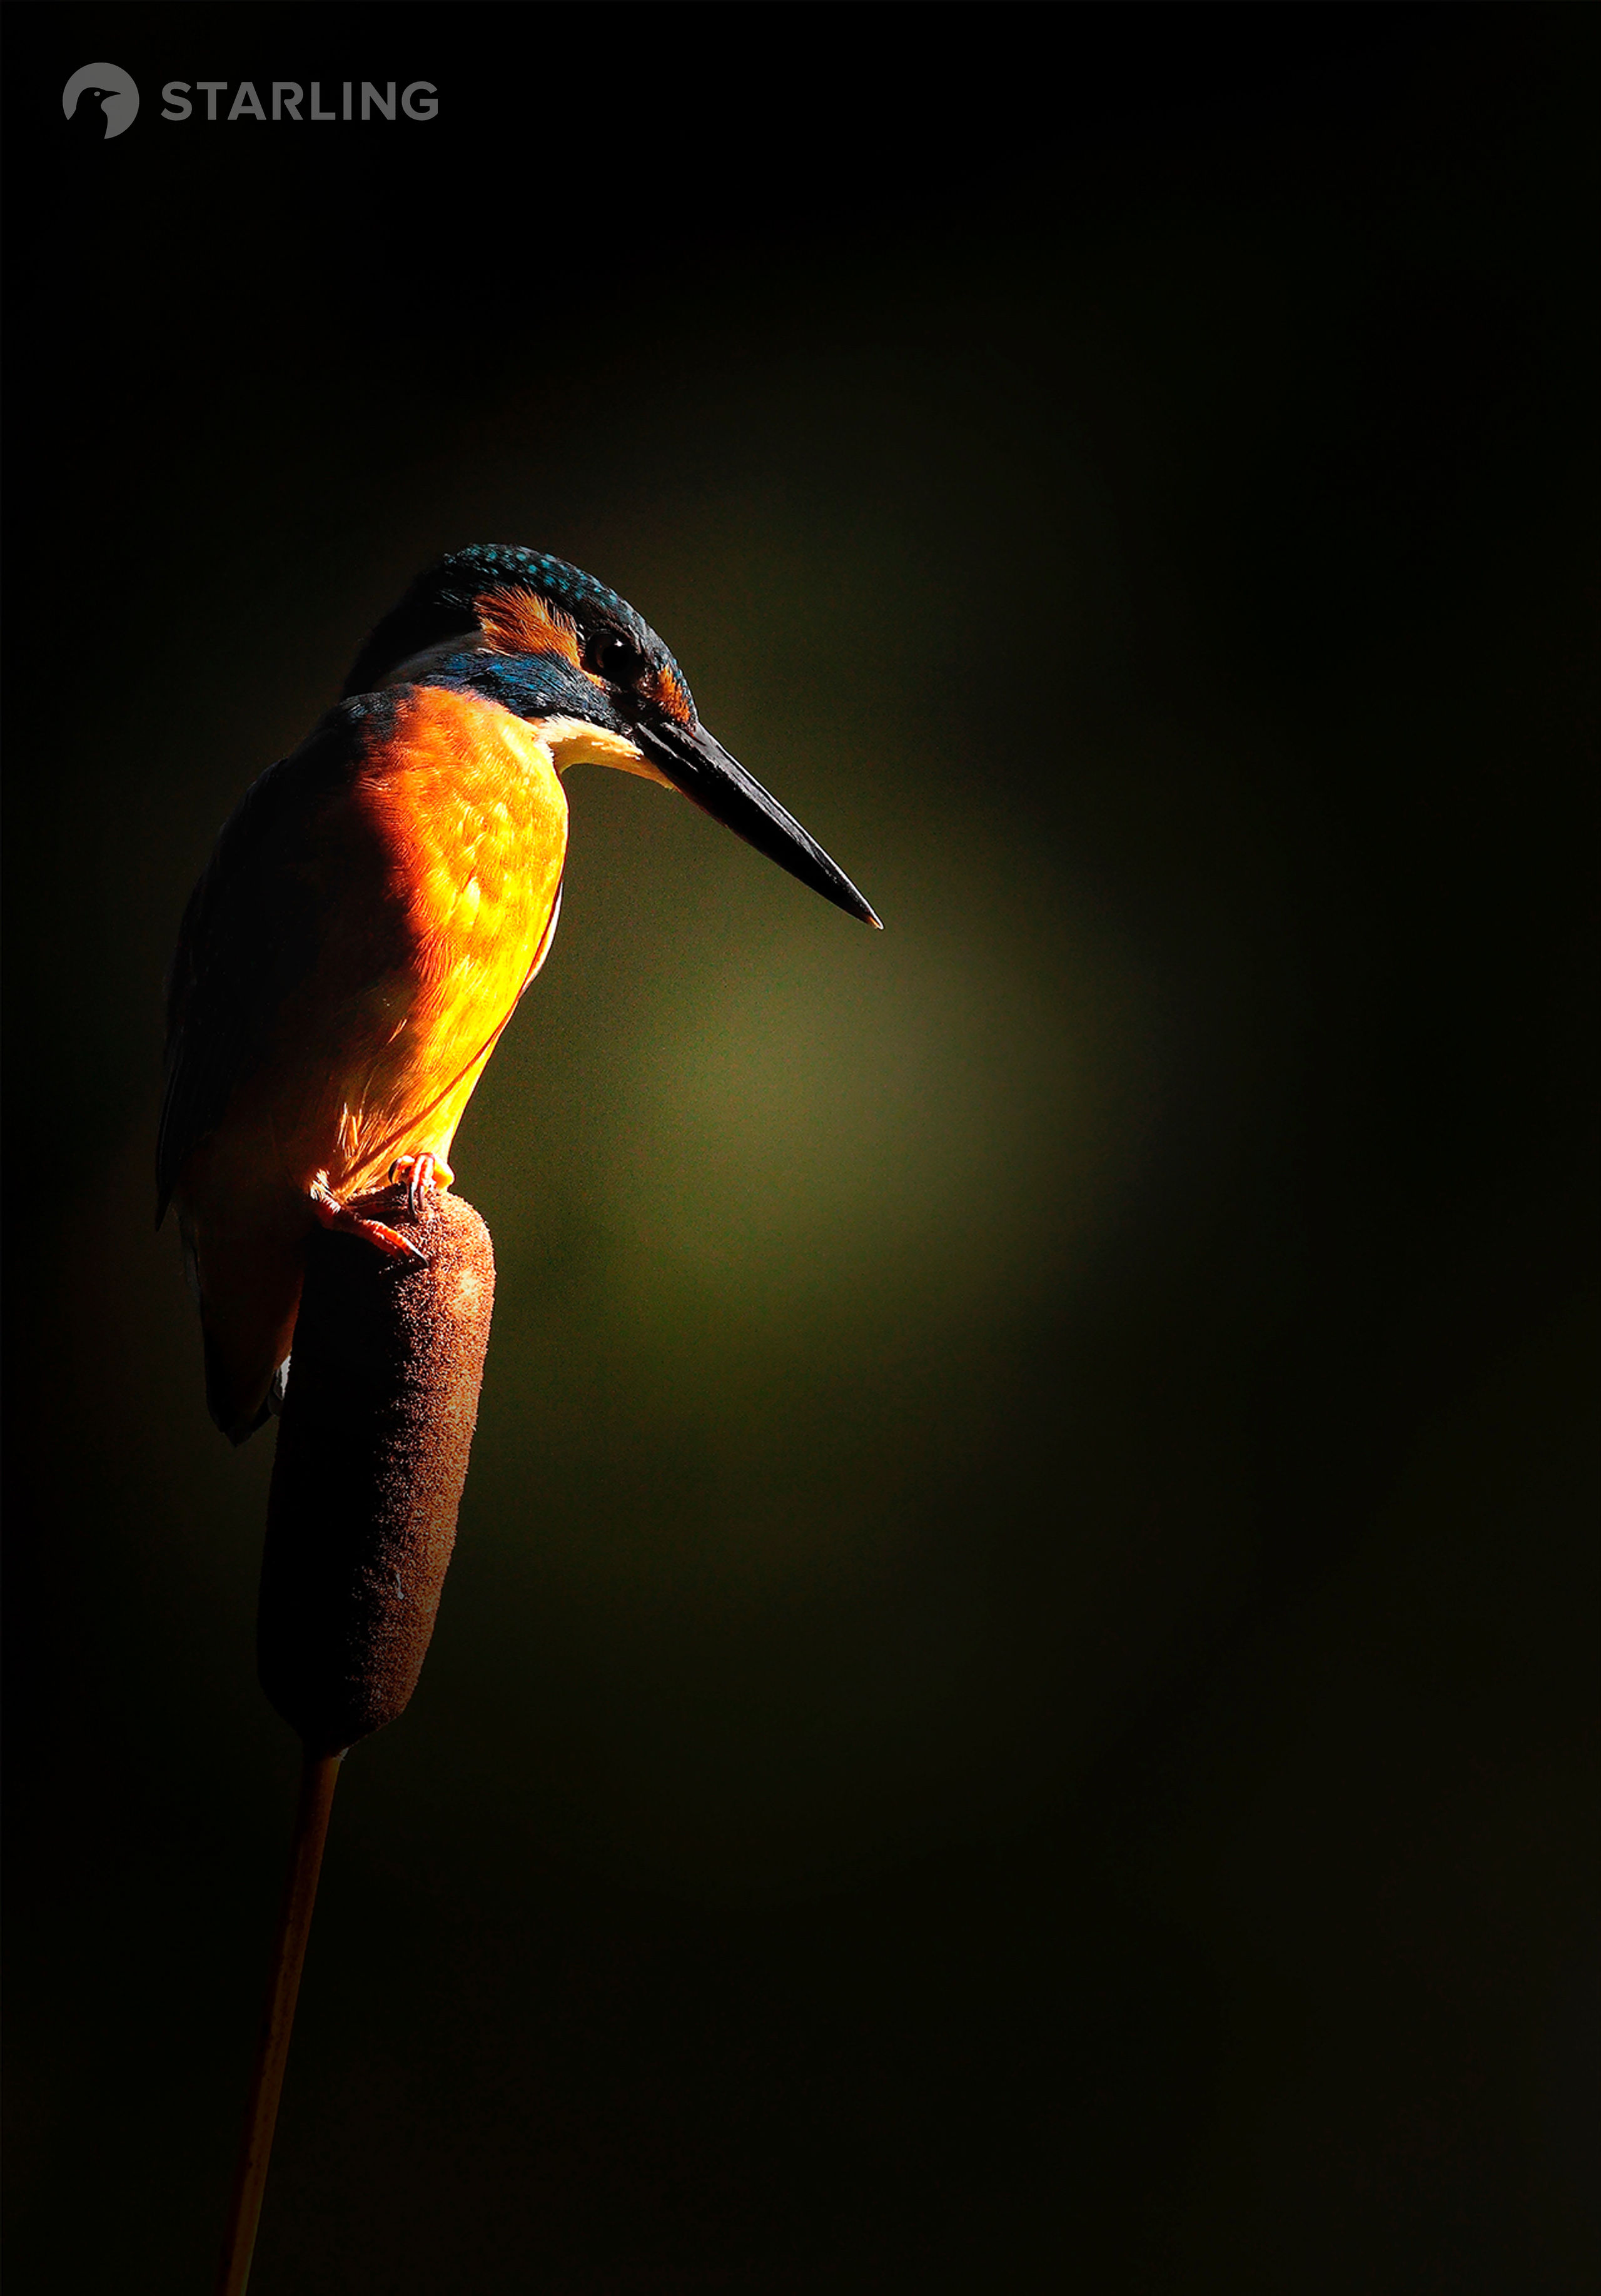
column 372, row 1445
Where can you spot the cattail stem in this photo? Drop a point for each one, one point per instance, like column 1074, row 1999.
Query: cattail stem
column 372, row 1456
column 318, row 1778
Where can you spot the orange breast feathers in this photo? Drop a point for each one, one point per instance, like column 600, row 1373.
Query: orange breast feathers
column 465, row 805
column 428, row 884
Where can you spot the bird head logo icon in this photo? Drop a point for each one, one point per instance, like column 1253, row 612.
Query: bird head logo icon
column 110, row 86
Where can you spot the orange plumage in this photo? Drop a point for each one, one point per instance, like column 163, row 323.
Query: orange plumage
column 414, row 895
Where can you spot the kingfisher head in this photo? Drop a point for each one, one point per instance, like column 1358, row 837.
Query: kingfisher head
column 552, row 644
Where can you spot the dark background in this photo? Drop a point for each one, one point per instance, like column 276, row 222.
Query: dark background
column 1013, row 1707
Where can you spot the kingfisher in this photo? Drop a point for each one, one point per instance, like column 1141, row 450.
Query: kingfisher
column 375, row 907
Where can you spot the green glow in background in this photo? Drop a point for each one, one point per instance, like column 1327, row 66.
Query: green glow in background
column 1010, row 1708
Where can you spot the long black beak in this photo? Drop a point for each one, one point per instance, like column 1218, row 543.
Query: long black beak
column 699, row 766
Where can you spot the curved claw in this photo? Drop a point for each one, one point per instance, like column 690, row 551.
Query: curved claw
column 385, row 1239
column 423, row 1176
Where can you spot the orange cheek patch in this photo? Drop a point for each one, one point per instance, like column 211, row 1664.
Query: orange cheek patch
column 517, row 621
column 667, row 689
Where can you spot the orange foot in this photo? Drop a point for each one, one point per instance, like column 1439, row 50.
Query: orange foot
column 390, row 1241
column 422, row 1175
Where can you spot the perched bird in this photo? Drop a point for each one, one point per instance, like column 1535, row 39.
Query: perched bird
column 376, row 906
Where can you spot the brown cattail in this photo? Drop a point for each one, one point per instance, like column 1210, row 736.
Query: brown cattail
column 377, row 1426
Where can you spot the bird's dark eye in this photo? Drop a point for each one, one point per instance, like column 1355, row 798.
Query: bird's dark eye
column 612, row 658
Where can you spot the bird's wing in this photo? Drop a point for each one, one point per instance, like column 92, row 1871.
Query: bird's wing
column 247, row 937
